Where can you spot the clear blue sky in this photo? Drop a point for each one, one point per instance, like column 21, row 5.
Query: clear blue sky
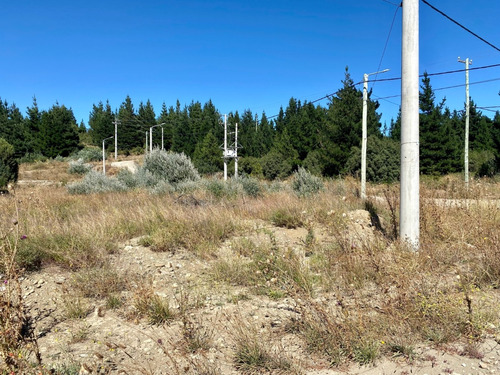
column 241, row 54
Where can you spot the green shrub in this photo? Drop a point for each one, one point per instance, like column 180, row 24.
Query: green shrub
column 274, row 166
column 305, row 184
column 95, row 182
column 251, row 166
column 314, row 163
column 9, row 168
column 482, row 163
column 170, row 167
column 32, row 158
column 382, row 160
column 79, row 167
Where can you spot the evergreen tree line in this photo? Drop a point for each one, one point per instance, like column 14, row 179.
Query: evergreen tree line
column 324, row 140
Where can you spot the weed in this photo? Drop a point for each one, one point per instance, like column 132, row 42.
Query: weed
column 75, row 307
column 251, row 353
column 150, row 305
column 81, row 334
column 365, row 352
column 113, row 302
column 98, row 282
column 287, row 218
column 18, row 343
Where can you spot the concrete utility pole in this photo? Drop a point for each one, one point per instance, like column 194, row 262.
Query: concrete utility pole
column 104, row 155
column 151, row 136
column 467, row 111
column 146, row 143
column 225, row 148
column 364, row 131
column 236, row 152
column 409, row 218
column 116, row 138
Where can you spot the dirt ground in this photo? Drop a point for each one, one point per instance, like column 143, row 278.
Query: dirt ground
column 114, row 341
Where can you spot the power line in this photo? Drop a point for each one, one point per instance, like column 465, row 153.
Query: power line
column 489, row 108
column 446, row 88
column 462, row 26
column 441, row 73
column 386, row 42
column 390, row 2
column 422, row 75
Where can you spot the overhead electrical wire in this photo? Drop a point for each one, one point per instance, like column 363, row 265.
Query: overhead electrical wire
column 462, row 26
column 444, row 88
column 386, row 43
column 441, row 73
column 427, row 74
column 390, row 2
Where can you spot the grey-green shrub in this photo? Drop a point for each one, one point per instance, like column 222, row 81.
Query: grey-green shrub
column 95, row 182
column 304, row 183
column 251, row 186
column 161, row 188
column 127, row 178
column 170, row 167
column 88, row 154
column 79, row 167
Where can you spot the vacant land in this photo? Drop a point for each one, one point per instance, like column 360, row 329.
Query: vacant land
column 218, row 281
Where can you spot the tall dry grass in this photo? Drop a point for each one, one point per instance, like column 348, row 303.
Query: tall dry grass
column 359, row 295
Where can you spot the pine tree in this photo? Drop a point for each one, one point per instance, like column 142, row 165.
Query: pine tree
column 13, row 129
column 166, row 117
column 182, row 133
column 58, row 132
column 130, row 134
column 9, row 168
column 146, row 118
column 342, row 128
column 101, row 123
column 207, row 157
column 439, row 145
column 32, row 124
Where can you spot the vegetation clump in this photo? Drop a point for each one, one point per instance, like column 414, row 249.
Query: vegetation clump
column 9, row 168
column 306, row 184
column 170, row 167
column 79, row 167
column 96, row 182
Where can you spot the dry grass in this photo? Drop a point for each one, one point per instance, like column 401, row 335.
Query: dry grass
column 359, row 295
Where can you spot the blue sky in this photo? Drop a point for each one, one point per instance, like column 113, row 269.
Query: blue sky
column 240, row 54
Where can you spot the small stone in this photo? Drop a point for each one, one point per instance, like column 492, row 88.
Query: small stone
column 483, row 365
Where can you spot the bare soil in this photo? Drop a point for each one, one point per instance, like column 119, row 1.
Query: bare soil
column 113, row 340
